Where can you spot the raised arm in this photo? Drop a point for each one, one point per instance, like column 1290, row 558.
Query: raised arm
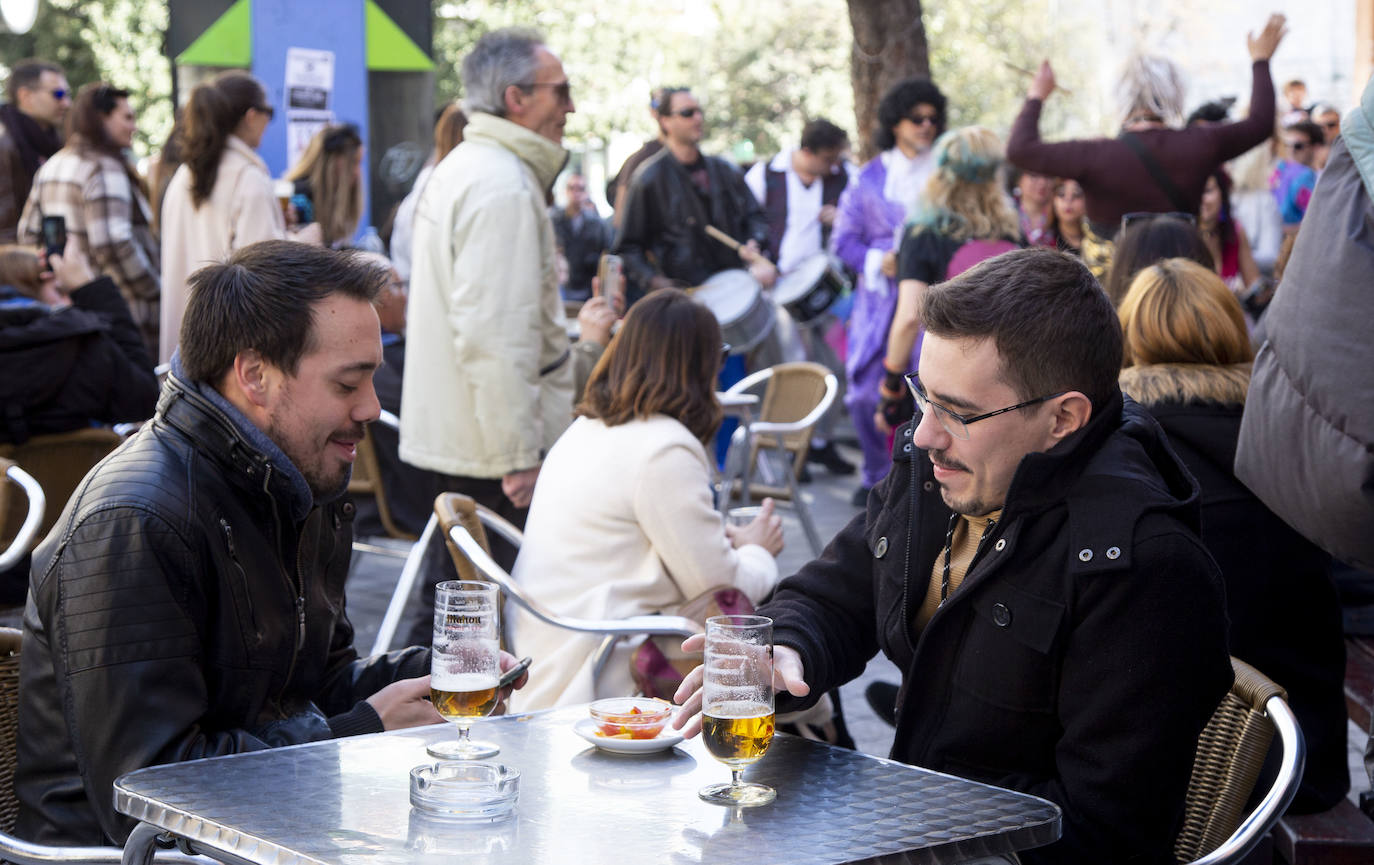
column 1026, row 149
column 1232, row 139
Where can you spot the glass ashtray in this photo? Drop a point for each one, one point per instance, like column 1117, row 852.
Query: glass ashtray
column 465, row 790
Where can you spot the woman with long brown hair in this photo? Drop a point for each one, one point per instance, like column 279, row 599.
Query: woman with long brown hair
column 221, row 198
column 1187, row 360
column 622, row 522
column 329, row 182
column 92, row 185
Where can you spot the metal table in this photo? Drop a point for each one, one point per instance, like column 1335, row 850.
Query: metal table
column 346, row 801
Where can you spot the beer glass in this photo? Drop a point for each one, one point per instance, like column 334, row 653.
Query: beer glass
column 737, row 703
column 465, row 666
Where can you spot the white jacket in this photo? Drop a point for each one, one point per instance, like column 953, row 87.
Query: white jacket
column 621, row 525
column 488, row 377
column 241, row 209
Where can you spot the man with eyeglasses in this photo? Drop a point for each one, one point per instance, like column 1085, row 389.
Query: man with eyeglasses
column 1295, row 176
column 674, row 196
column 38, row 97
column 1032, row 564
column 489, row 384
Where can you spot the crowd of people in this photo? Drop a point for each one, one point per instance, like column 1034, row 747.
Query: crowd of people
column 1066, row 503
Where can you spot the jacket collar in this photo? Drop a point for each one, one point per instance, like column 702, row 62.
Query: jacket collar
column 221, row 431
column 543, row 157
column 239, row 146
column 1159, row 384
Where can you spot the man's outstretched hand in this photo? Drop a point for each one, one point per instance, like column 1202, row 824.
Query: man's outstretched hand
column 787, row 676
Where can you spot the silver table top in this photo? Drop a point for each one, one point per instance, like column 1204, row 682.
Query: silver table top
column 346, row 801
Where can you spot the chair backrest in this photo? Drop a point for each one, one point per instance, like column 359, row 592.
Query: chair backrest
column 58, row 462
column 794, row 392
column 1230, row 754
column 12, row 477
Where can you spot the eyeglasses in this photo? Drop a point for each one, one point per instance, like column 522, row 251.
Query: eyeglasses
column 59, row 94
column 562, row 90
column 687, row 113
column 923, row 119
column 266, row 109
column 956, row 424
column 1299, row 146
column 1130, row 219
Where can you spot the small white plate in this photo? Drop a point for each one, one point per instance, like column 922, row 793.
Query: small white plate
column 666, row 738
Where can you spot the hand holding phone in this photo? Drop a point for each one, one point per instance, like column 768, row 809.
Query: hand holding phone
column 54, row 234
column 508, row 678
column 612, row 278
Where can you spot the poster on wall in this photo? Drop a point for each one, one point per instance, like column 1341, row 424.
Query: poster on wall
column 309, row 94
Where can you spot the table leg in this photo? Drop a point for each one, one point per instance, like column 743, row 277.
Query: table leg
column 142, row 843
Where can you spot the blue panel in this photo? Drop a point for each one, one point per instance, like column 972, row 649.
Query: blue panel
column 330, row 25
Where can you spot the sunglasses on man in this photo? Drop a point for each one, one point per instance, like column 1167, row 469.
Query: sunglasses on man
column 562, row 90
column 687, row 113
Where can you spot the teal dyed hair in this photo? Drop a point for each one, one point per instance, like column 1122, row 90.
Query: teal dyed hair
column 957, row 159
column 963, row 199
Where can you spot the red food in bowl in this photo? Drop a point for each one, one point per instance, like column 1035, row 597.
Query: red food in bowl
column 630, row 717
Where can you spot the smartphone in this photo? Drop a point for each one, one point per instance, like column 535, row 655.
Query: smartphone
column 508, row 678
column 54, row 234
column 613, row 281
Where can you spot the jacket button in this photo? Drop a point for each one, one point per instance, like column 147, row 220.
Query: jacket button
column 906, row 448
column 1001, row 616
column 1113, row 553
column 906, row 433
column 1085, row 555
column 928, row 486
column 349, row 508
column 1000, row 545
column 881, row 549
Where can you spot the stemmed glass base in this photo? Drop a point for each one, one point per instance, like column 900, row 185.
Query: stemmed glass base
column 462, row 748
column 738, row 793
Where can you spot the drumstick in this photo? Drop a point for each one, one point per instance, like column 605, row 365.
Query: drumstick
column 1029, row 74
column 724, row 238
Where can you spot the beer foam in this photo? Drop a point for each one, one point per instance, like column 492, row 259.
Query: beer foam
column 463, row 682
column 738, row 709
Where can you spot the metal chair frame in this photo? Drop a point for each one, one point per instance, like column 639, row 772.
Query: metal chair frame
column 748, row 436
column 33, row 519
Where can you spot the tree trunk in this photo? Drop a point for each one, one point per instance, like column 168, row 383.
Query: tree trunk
column 889, row 46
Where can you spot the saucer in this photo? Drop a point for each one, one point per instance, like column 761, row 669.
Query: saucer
column 587, row 728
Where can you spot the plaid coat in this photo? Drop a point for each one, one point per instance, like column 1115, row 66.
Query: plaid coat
column 110, row 218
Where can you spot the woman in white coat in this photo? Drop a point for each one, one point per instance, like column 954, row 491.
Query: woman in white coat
column 622, row 522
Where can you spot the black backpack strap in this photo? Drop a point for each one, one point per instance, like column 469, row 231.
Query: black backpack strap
column 1156, row 171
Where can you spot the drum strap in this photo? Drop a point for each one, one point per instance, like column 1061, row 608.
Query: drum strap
column 558, row 362
column 775, row 204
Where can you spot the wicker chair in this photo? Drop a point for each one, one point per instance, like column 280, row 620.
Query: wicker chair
column 1230, row 753
column 58, row 462
column 367, row 480
column 26, row 535
column 465, row 524
column 795, row 397
column 23, row 852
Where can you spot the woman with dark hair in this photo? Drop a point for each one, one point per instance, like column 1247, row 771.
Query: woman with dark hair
column 622, row 522
column 1224, row 236
column 93, row 186
column 1188, row 360
column 329, row 183
column 1147, row 239
column 1034, row 196
column 871, row 214
column 221, row 198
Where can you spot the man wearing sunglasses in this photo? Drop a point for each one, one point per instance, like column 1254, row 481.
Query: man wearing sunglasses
column 37, row 96
column 1295, row 175
column 1032, row 565
column 674, row 196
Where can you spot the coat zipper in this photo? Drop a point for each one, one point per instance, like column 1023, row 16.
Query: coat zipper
column 297, row 592
column 234, row 557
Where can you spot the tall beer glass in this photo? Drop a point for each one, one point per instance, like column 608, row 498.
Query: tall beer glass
column 465, row 667
column 737, row 703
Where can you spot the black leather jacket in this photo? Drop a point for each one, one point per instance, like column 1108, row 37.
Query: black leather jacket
column 663, row 231
column 181, row 609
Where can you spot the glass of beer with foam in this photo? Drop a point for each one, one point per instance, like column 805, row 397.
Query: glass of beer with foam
column 737, row 703
column 465, row 666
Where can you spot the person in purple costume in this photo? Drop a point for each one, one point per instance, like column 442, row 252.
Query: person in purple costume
column 872, row 211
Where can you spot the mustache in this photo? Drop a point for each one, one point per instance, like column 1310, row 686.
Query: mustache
column 939, row 459
column 353, row 434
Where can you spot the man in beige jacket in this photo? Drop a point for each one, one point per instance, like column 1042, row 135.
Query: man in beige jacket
column 489, row 384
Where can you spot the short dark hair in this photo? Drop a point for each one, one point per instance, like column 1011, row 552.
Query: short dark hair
column 26, row 73
column 1218, row 111
column 1045, row 313
column 820, row 134
column 1148, row 241
column 263, row 299
column 664, row 360
column 1314, row 132
column 664, row 106
column 897, row 103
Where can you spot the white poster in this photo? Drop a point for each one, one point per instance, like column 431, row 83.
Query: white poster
column 309, row 79
column 301, row 126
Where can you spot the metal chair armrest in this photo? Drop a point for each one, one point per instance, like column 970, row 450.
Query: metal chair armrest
column 811, row 418
column 387, row 419
column 33, row 519
column 754, row 379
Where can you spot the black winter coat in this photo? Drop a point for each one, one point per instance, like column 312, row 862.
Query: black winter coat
column 179, row 610
column 663, row 229
column 1081, row 656
column 1284, row 610
column 63, row 369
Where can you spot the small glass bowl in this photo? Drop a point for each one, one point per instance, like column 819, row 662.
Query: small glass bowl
column 630, row 717
column 465, row 790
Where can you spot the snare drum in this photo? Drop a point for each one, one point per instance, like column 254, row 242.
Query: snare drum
column 736, row 300
column 811, row 288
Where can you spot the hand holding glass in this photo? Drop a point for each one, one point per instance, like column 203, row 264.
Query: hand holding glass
column 737, row 703
column 465, row 666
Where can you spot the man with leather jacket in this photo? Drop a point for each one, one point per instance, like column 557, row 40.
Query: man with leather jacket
column 190, row 600
column 1032, row 565
column 673, row 198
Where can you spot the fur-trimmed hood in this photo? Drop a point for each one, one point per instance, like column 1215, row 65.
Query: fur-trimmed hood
column 1162, row 383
